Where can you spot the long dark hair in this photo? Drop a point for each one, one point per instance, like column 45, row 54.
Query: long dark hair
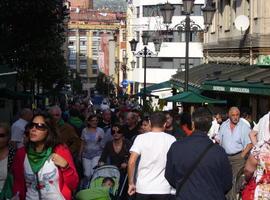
column 52, row 138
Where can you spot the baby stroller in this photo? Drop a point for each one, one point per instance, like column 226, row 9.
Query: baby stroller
column 95, row 190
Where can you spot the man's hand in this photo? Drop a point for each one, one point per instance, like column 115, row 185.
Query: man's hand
column 131, row 189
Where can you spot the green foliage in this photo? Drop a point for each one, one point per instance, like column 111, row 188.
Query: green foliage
column 104, row 85
column 32, row 37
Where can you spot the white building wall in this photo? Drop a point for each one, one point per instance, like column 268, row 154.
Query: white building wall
column 168, row 49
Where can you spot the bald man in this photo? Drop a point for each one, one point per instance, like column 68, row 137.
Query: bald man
column 233, row 136
column 67, row 133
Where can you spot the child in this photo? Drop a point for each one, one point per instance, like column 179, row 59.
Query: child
column 102, row 192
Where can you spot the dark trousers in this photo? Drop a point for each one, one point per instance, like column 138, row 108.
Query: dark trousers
column 152, row 196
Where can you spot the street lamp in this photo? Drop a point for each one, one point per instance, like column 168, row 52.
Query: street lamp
column 124, row 67
column 133, row 63
column 145, row 52
column 116, row 69
column 187, row 25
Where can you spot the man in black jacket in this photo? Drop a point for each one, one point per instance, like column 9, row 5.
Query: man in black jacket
column 212, row 177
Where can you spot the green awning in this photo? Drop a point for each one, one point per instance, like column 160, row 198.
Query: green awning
column 140, row 94
column 237, row 87
column 7, row 77
column 192, row 97
column 168, row 84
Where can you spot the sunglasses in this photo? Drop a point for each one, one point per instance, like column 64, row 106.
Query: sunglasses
column 114, row 132
column 2, row 135
column 38, row 126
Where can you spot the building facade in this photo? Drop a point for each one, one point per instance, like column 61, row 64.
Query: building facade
column 85, row 4
column 145, row 16
column 94, row 43
column 226, row 42
column 239, row 38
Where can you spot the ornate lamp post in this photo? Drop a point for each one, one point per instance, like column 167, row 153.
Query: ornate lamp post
column 145, row 52
column 133, row 63
column 187, row 25
column 116, row 69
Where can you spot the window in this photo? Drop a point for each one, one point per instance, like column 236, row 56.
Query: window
column 94, row 62
column 178, row 9
column 124, row 36
column 255, row 9
column 94, row 71
column 193, row 37
column 138, row 36
column 214, row 21
column 82, row 32
column 83, row 53
column 83, row 63
column 138, row 11
column 82, row 43
column 226, row 15
column 197, row 11
column 72, row 53
column 71, row 43
column 151, row 11
column 137, row 62
column 71, row 62
column 246, row 7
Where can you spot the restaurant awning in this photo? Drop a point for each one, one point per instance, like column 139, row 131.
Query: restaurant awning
column 168, row 84
column 192, row 97
column 248, row 79
column 238, row 87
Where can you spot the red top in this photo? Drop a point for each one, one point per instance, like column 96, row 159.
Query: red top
column 68, row 178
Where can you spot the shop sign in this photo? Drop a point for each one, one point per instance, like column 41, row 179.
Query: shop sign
column 218, row 88
column 240, row 90
column 263, row 60
column 231, row 89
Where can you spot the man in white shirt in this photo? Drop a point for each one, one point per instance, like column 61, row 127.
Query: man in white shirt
column 213, row 131
column 152, row 148
column 261, row 131
column 18, row 127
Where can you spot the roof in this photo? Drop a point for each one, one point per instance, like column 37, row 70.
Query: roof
column 167, row 84
column 192, row 97
column 251, row 79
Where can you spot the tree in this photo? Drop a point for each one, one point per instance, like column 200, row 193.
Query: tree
column 105, row 85
column 32, row 37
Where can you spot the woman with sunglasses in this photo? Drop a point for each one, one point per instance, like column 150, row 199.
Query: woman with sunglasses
column 44, row 168
column 92, row 146
column 7, row 153
column 117, row 150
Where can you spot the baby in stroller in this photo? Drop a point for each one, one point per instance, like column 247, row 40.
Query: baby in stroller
column 103, row 185
column 104, row 192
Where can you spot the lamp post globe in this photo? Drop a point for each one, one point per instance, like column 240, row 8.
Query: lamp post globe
column 188, row 6
column 145, row 38
column 125, row 60
column 208, row 14
column 157, row 44
column 133, row 44
column 133, row 63
column 167, row 11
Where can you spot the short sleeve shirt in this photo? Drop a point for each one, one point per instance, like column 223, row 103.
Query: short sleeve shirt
column 234, row 141
column 152, row 148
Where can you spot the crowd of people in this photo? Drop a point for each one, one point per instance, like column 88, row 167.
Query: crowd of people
column 54, row 154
